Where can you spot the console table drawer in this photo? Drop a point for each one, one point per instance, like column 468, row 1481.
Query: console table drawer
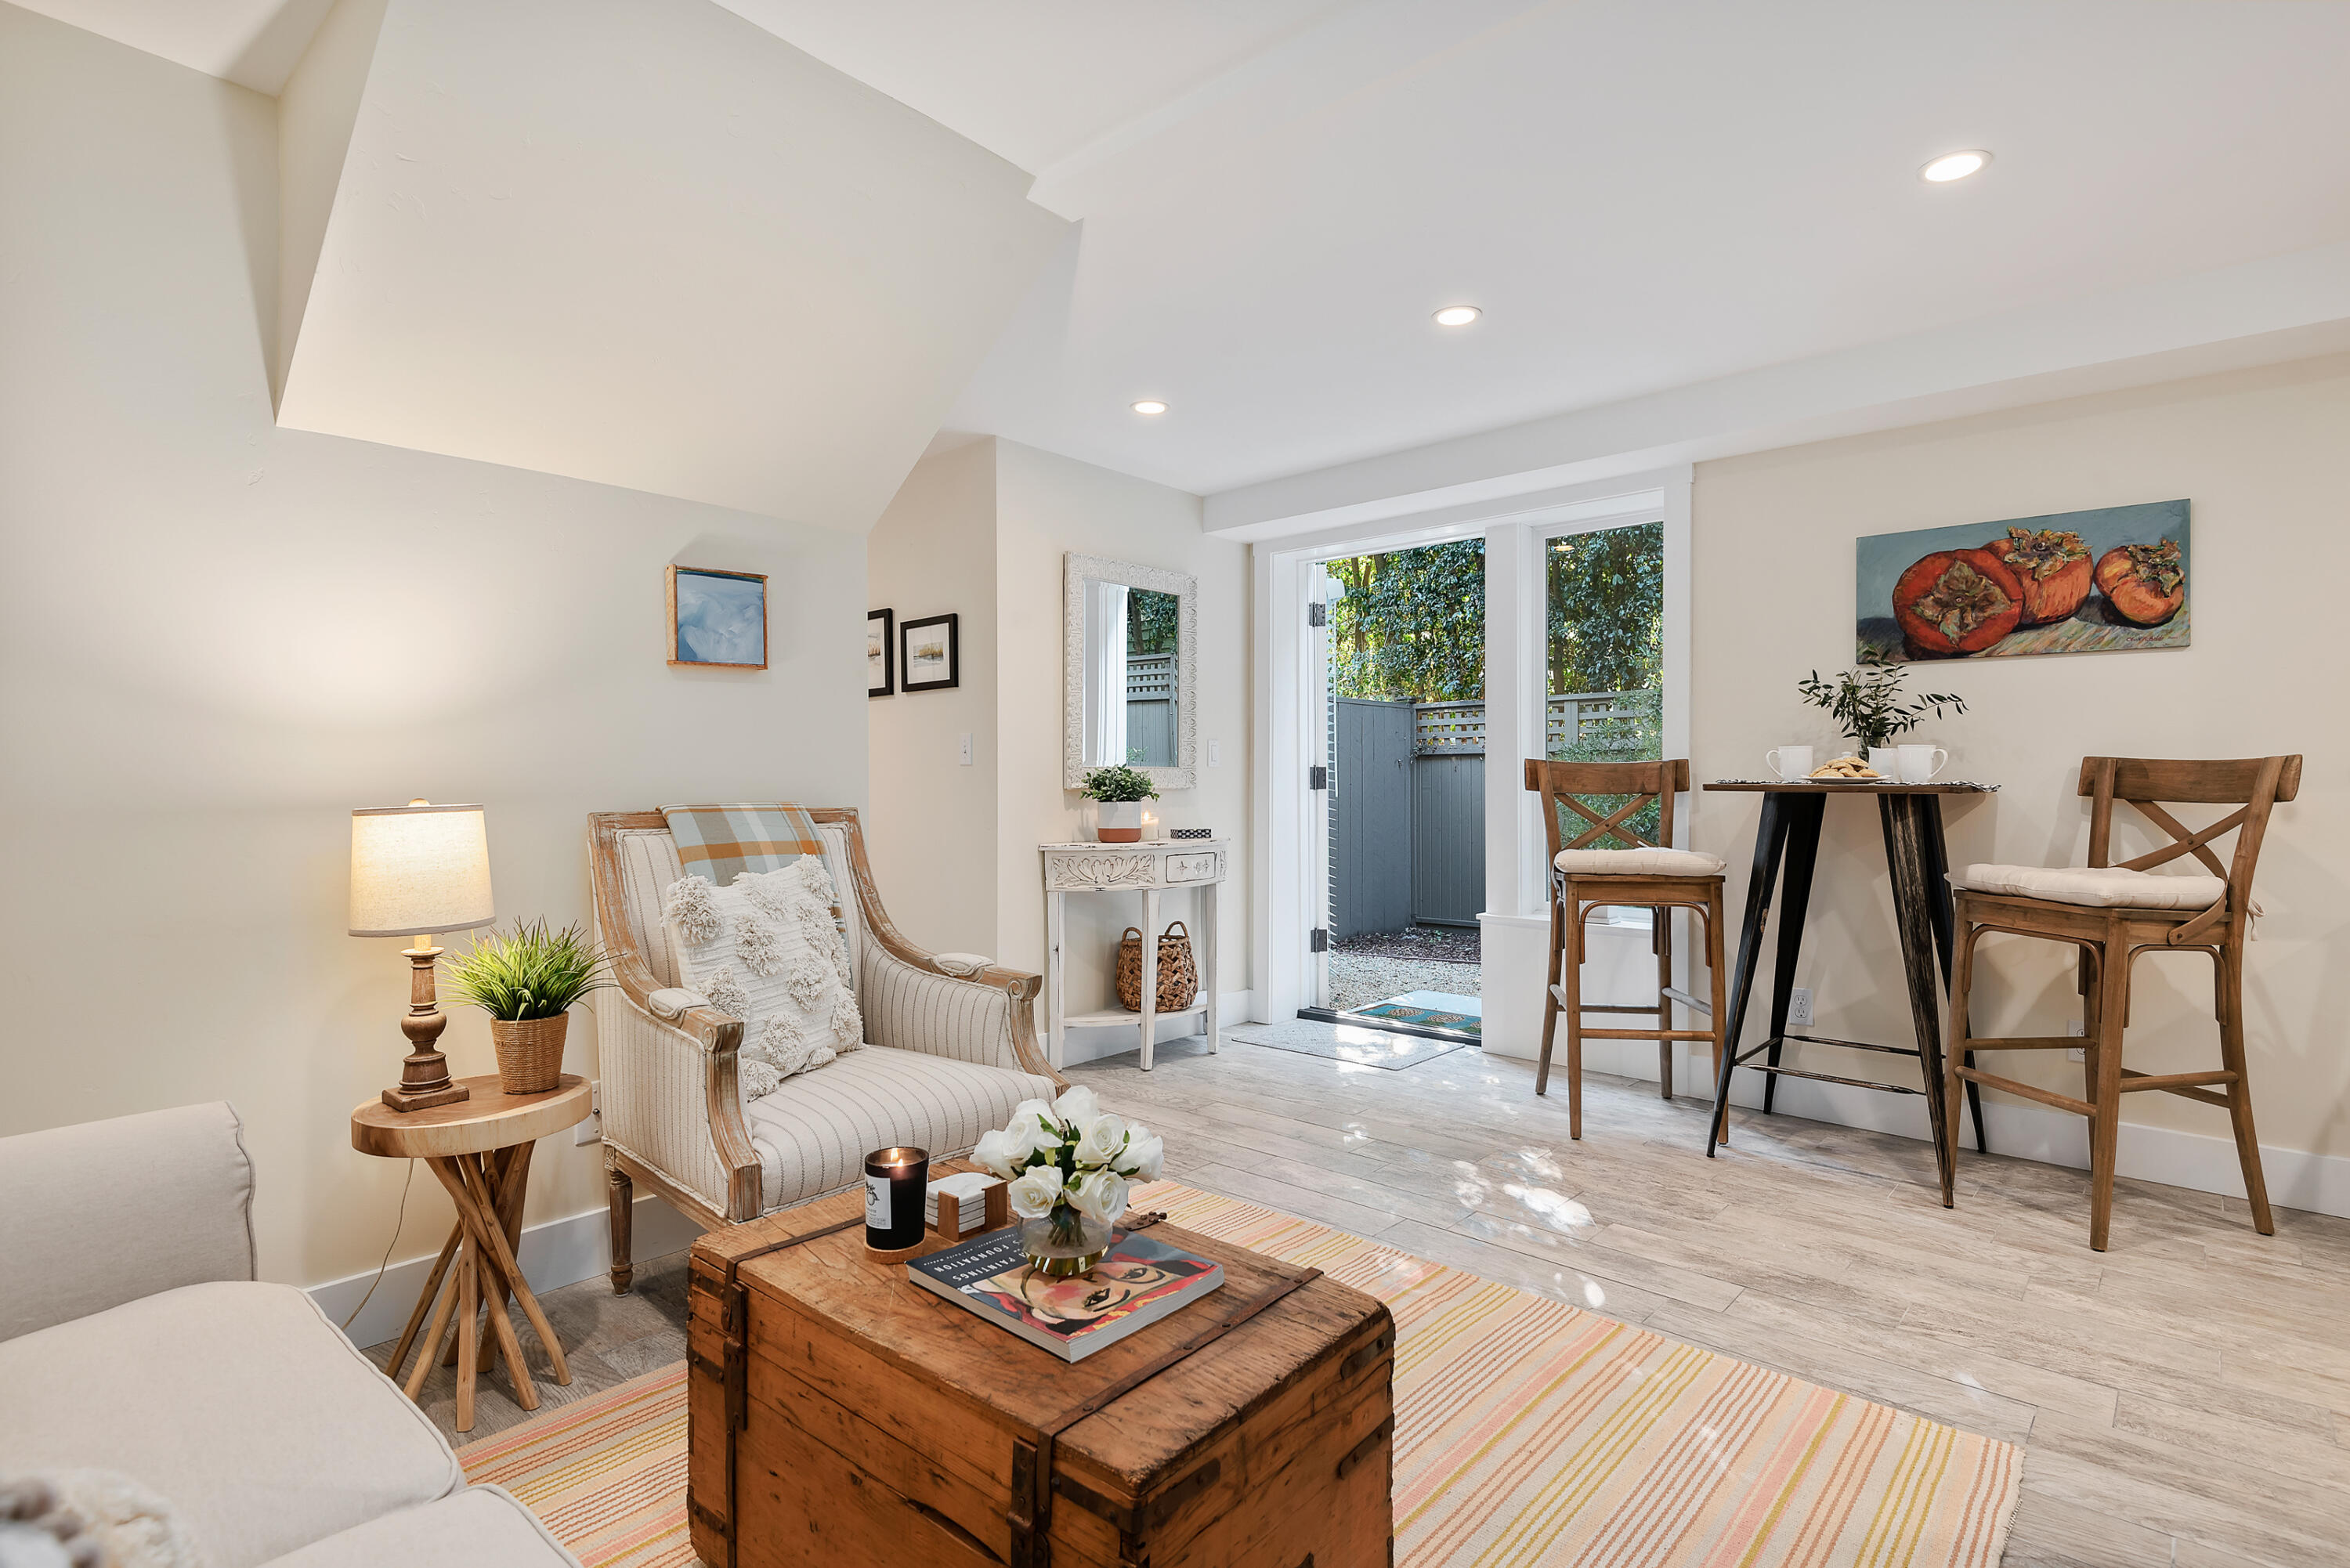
column 1198, row 868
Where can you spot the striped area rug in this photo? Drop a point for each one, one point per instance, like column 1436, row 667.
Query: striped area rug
column 1528, row 1434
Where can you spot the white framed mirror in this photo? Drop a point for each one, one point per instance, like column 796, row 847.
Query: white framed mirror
column 1132, row 637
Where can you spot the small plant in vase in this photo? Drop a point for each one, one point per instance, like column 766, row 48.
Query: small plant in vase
column 1119, row 793
column 1069, row 1164
column 527, row 982
column 1870, row 705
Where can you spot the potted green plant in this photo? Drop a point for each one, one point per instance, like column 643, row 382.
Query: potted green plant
column 526, row 982
column 1869, row 704
column 1119, row 793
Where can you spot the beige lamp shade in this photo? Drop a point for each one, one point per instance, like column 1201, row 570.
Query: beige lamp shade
column 418, row 869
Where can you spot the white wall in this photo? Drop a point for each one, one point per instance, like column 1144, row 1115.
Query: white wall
column 217, row 636
column 931, row 824
column 2264, row 457
column 949, row 542
column 1047, row 507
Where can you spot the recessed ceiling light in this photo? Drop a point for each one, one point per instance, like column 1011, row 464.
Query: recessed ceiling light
column 1953, row 166
column 1150, row 406
column 1458, row 315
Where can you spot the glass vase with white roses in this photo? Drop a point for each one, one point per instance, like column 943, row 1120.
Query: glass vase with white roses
column 1068, row 1164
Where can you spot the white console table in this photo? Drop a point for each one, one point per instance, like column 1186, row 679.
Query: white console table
column 1151, row 867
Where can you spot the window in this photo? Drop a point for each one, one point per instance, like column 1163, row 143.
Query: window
column 1604, row 646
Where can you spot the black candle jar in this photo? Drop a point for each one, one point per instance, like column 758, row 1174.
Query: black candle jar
column 897, row 1181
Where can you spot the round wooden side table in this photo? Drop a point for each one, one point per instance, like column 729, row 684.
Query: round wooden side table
column 480, row 1148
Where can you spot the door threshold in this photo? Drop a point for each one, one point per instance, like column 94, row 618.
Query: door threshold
column 1355, row 1019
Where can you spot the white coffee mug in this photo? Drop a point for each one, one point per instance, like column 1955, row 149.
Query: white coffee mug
column 1886, row 760
column 1920, row 763
column 1788, row 761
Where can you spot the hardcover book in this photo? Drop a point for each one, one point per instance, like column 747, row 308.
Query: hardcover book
column 1140, row 1281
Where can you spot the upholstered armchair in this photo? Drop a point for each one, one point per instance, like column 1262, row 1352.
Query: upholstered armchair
column 950, row 1048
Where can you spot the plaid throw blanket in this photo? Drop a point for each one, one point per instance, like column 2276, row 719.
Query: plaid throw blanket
column 721, row 842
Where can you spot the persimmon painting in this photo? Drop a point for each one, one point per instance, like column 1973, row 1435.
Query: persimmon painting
column 2108, row 581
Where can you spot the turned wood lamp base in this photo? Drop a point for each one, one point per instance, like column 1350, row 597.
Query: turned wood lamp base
column 424, row 1075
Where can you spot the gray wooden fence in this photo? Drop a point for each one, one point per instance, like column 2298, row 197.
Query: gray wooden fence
column 1150, row 708
column 1372, row 842
column 1408, row 803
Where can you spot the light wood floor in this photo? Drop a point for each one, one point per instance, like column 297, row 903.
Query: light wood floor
column 2184, row 1398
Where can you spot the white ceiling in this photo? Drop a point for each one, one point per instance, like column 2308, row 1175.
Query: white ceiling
column 254, row 43
column 1644, row 196
column 648, row 245
column 1035, row 81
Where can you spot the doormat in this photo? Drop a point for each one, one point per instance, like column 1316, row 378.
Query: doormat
column 1428, row 1010
column 1346, row 1042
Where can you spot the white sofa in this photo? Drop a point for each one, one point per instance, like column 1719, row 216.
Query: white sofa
column 950, row 1049
column 134, row 1339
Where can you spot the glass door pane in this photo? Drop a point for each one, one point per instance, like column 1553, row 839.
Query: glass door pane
column 1605, row 596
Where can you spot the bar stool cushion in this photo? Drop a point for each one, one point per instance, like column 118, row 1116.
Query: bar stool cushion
column 2106, row 887
column 1639, row 862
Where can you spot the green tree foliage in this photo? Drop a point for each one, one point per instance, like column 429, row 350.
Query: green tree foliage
column 1607, row 593
column 1411, row 627
column 1605, row 633
column 1151, row 621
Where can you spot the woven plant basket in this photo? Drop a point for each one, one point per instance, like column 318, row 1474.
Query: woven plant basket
column 1178, row 972
column 530, row 1053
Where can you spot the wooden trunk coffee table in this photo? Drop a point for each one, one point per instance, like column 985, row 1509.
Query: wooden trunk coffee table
column 480, row 1148
column 840, row 1414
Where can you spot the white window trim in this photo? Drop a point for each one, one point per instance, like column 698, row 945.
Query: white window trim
column 1513, row 529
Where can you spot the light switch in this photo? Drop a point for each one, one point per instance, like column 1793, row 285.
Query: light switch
column 966, row 748
column 1215, row 754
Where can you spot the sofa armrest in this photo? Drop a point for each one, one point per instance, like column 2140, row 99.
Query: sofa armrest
column 672, row 1100
column 911, row 1003
column 107, row 1212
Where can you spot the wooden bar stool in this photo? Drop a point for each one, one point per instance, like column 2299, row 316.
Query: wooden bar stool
column 2113, row 914
column 1637, row 875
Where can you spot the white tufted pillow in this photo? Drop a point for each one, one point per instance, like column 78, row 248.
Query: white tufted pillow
column 764, row 949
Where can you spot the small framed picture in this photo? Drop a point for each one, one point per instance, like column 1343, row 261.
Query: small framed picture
column 880, row 652
column 929, row 659
column 717, row 619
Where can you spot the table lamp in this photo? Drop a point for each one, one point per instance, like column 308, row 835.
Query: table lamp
column 417, row 870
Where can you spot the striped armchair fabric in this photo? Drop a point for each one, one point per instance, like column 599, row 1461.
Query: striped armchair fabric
column 947, row 1056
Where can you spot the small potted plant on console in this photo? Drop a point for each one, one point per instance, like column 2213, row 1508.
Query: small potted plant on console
column 1119, row 793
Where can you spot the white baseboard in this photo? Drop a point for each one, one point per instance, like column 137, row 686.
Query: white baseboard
column 2204, row 1162
column 553, row 1253
column 1113, row 1039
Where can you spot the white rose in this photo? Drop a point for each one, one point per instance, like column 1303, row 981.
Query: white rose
column 1102, row 1140
column 1099, row 1195
column 1077, row 1106
column 1001, row 1153
column 1035, row 1129
column 1034, row 1192
column 1146, row 1155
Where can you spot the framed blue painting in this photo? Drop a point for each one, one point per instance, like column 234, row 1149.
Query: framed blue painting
column 717, row 620
column 2112, row 580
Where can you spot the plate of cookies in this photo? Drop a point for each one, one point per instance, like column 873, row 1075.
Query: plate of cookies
column 1850, row 770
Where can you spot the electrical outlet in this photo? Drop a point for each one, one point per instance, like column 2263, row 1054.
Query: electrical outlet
column 966, row 748
column 2075, row 1028
column 1799, row 1009
column 592, row 1129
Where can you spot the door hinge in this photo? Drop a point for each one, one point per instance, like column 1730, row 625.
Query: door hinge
column 1317, row 613
column 1317, row 941
column 1317, row 777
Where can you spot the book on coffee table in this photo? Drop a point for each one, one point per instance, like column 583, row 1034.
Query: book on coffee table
column 1141, row 1280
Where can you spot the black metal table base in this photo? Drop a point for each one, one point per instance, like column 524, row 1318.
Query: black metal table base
column 1788, row 838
